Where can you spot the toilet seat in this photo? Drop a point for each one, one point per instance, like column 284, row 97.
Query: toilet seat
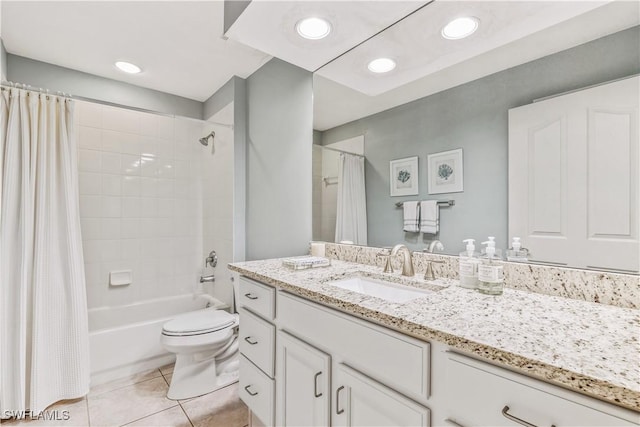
column 200, row 322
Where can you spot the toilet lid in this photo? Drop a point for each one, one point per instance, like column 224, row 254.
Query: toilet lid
column 206, row 320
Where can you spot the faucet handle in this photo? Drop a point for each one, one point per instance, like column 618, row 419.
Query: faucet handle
column 428, row 274
column 386, row 252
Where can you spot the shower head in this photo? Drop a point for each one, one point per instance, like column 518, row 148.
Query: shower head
column 205, row 141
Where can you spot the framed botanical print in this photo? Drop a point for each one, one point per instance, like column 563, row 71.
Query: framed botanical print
column 403, row 176
column 445, row 172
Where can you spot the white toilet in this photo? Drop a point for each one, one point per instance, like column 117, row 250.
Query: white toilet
column 206, row 346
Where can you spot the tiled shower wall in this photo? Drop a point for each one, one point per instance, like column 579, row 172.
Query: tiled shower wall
column 141, row 187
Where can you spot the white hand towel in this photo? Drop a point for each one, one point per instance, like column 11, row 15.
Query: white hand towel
column 411, row 216
column 429, row 217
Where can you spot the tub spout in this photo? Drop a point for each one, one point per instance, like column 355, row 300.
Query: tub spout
column 210, row 278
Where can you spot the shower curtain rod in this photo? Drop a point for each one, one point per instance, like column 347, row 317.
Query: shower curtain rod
column 340, row 151
column 23, row 86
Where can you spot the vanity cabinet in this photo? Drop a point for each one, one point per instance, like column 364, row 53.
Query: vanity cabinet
column 372, row 370
column 361, row 401
column 304, row 388
column 256, row 337
column 480, row 394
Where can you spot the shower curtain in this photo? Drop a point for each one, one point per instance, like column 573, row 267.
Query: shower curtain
column 351, row 219
column 44, row 339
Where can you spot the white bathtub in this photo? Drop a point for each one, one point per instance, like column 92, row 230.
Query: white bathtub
column 126, row 340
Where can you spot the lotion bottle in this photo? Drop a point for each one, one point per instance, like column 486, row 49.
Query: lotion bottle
column 468, row 266
column 490, row 271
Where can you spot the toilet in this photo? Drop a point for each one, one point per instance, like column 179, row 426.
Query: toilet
column 206, row 346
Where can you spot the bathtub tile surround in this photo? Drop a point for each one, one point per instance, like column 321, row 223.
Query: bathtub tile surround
column 154, row 201
column 621, row 290
column 139, row 400
column 559, row 340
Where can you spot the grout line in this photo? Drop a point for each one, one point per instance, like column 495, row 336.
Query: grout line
column 186, row 415
column 86, row 406
column 148, row 415
column 126, row 385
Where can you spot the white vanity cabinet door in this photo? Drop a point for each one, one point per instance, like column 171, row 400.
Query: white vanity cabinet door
column 304, row 392
column 257, row 341
column 257, row 391
column 478, row 394
column 257, row 297
column 361, row 401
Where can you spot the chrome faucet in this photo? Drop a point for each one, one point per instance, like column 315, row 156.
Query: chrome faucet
column 407, row 259
column 210, row 278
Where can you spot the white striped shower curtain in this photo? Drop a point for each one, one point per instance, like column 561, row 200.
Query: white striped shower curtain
column 44, row 340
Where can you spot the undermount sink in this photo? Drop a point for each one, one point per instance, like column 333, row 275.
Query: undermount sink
column 384, row 290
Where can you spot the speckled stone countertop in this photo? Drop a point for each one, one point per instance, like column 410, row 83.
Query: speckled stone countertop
column 587, row 347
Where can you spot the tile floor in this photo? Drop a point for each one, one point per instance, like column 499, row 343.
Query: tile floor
column 140, row 400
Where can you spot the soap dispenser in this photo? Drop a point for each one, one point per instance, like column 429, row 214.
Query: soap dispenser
column 490, row 271
column 517, row 253
column 468, row 266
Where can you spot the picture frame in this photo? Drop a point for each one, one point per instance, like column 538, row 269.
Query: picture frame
column 403, row 177
column 445, row 172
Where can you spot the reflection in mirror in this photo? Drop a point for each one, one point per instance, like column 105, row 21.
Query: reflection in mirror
column 473, row 115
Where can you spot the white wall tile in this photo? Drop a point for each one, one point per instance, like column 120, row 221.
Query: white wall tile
column 90, row 114
column 131, row 207
column 130, row 164
column 111, row 185
column 111, row 207
column 110, row 228
column 90, row 138
column 149, row 124
column 148, row 166
column 89, row 183
column 130, row 185
column 110, row 250
column 121, row 120
column 90, row 228
column 148, row 207
column 129, row 228
column 89, row 160
column 90, row 207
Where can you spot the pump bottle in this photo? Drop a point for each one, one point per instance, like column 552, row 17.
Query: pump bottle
column 490, row 271
column 468, row 266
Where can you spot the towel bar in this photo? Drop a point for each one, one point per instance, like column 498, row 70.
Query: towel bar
column 443, row 203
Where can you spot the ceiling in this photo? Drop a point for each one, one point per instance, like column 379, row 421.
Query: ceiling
column 181, row 48
column 178, row 44
column 336, row 103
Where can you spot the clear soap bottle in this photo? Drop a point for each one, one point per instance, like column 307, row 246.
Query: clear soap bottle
column 517, row 253
column 490, row 271
column 468, row 266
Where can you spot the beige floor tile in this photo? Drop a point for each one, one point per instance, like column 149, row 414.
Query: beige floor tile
column 220, row 408
column 123, row 382
column 167, row 369
column 74, row 410
column 172, row 417
column 168, row 377
column 129, row 403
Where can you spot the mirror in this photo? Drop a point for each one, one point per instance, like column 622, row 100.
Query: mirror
column 465, row 106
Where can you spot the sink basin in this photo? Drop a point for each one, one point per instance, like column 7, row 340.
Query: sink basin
column 384, row 290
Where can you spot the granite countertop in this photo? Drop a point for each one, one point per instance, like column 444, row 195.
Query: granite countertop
column 587, row 347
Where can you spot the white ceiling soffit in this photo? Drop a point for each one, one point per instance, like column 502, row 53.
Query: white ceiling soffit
column 270, row 26
column 178, row 44
column 417, row 46
column 336, row 104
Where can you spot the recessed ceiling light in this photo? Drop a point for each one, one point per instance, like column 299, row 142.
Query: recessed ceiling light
column 460, row 28
column 128, row 67
column 381, row 65
column 313, row 28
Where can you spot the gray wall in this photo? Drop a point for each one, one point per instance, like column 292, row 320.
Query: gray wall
column 55, row 78
column 220, row 99
column 473, row 117
column 3, row 61
column 232, row 11
column 279, row 141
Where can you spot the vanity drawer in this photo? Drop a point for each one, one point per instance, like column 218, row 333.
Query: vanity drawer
column 394, row 359
column 257, row 297
column 257, row 341
column 481, row 394
column 257, row 391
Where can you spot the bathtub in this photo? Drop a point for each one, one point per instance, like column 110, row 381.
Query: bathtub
column 125, row 340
